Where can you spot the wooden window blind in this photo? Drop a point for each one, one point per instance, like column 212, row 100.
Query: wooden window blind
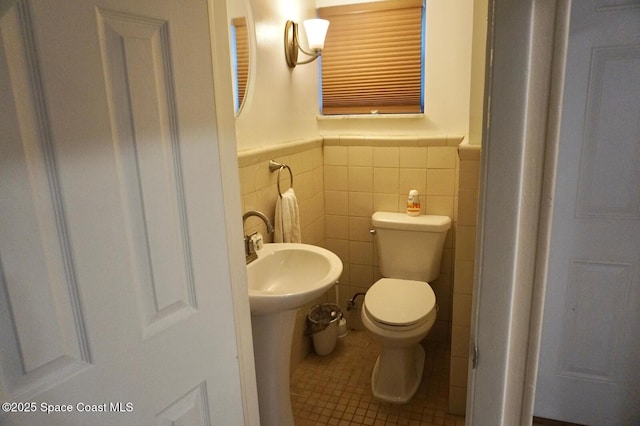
column 242, row 56
column 372, row 58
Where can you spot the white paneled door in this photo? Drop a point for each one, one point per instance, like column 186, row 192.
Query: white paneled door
column 589, row 370
column 115, row 296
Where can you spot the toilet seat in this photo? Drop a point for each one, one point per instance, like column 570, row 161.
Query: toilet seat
column 399, row 303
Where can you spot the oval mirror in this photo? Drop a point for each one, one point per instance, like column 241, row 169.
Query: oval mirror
column 239, row 59
column 241, row 50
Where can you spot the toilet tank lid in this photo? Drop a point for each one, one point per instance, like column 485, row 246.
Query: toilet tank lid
column 402, row 221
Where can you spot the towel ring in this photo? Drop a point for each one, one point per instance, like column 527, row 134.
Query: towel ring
column 273, row 166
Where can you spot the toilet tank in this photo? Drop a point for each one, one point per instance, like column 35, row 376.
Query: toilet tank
column 410, row 247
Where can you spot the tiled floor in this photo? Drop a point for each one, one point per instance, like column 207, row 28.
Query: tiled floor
column 335, row 390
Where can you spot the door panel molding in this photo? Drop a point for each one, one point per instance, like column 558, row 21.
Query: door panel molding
column 609, row 5
column 594, row 308
column 48, row 343
column 611, row 115
column 191, row 409
column 138, row 66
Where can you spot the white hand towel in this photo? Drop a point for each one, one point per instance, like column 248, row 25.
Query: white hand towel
column 287, row 226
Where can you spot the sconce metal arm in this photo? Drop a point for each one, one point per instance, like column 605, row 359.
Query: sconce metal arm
column 292, row 45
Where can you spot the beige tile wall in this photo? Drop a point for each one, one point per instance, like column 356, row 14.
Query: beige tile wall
column 259, row 192
column 340, row 182
column 463, row 271
column 363, row 175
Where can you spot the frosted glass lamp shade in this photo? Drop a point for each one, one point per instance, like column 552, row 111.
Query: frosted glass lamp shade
column 316, row 30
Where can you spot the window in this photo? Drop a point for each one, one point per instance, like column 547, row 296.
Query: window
column 373, row 58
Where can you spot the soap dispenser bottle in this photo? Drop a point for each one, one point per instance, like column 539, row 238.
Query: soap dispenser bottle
column 413, row 203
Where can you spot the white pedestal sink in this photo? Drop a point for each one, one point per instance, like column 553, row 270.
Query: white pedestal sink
column 283, row 278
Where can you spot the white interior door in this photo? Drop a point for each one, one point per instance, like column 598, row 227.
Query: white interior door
column 115, row 279
column 589, row 371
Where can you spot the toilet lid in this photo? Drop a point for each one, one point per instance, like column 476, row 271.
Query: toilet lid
column 399, row 302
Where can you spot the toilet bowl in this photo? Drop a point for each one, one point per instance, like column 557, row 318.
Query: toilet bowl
column 400, row 309
column 399, row 314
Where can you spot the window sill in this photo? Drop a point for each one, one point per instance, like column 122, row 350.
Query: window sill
column 370, row 117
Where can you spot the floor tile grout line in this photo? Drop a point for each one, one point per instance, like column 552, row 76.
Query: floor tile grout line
column 345, row 375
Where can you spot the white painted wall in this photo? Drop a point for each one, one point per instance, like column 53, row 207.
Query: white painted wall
column 478, row 75
column 282, row 104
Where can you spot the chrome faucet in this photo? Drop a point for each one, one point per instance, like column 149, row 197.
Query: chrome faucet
column 250, row 249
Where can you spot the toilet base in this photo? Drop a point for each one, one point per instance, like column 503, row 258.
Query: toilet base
column 397, row 374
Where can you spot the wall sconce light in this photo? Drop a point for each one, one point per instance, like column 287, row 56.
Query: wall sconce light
column 316, row 30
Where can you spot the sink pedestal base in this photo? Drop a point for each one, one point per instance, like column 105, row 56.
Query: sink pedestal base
column 272, row 336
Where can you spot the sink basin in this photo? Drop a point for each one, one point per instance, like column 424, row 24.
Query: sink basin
column 286, row 276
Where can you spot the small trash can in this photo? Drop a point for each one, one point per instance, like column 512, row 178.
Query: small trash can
column 322, row 325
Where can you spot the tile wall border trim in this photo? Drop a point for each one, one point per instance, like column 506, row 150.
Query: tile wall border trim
column 392, row 140
column 263, row 153
column 468, row 152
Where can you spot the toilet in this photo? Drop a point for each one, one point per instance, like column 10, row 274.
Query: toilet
column 400, row 308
